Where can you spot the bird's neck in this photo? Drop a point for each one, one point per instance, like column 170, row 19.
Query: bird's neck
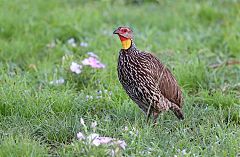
column 127, row 43
column 133, row 46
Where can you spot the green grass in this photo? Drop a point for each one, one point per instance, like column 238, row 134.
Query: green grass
column 41, row 119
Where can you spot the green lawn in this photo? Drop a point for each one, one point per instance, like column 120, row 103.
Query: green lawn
column 39, row 117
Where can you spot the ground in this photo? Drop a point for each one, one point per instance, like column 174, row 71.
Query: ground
column 40, row 113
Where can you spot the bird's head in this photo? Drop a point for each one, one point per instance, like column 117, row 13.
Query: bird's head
column 125, row 34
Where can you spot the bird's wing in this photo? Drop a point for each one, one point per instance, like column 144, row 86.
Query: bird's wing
column 164, row 80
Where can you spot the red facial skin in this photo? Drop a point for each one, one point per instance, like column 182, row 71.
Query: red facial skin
column 124, row 33
column 122, row 38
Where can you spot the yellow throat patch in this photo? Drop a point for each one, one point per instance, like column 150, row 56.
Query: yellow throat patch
column 126, row 43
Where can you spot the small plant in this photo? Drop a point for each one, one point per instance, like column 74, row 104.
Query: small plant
column 75, row 68
column 91, row 143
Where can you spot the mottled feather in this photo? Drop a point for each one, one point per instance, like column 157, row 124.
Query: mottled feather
column 148, row 82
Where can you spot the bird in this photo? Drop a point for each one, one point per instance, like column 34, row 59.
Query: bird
column 146, row 80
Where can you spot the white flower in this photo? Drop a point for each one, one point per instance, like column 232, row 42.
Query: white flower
column 98, row 140
column 84, row 44
column 133, row 132
column 93, row 136
column 184, row 152
column 80, row 136
column 125, row 128
column 82, row 122
column 57, row 82
column 93, row 62
column 112, row 153
column 72, row 42
column 76, row 68
column 94, row 124
column 101, row 140
column 92, row 54
column 87, row 97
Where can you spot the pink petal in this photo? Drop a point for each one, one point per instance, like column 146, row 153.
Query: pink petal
column 101, row 140
column 93, row 62
column 86, row 61
column 105, row 140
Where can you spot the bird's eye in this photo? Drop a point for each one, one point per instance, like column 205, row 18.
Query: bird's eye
column 124, row 30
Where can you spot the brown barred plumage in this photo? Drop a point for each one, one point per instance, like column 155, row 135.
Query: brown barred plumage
column 146, row 80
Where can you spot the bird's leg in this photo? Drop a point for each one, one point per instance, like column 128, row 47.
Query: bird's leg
column 177, row 111
column 148, row 116
column 149, row 112
column 155, row 116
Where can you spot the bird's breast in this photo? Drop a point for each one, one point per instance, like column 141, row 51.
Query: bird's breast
column 127, row 71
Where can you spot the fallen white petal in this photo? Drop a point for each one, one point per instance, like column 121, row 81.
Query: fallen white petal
column 94, row 124
column 112, row 153
column 80, row 136
column 126, row 128
column 93, row 136
column 184, row 151
column 82, row 122
column 122, row 144
column 92, row 54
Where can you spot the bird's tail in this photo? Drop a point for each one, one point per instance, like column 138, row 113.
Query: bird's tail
column 177, row 111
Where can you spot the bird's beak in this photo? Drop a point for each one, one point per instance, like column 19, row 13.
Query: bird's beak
column 116, row 31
